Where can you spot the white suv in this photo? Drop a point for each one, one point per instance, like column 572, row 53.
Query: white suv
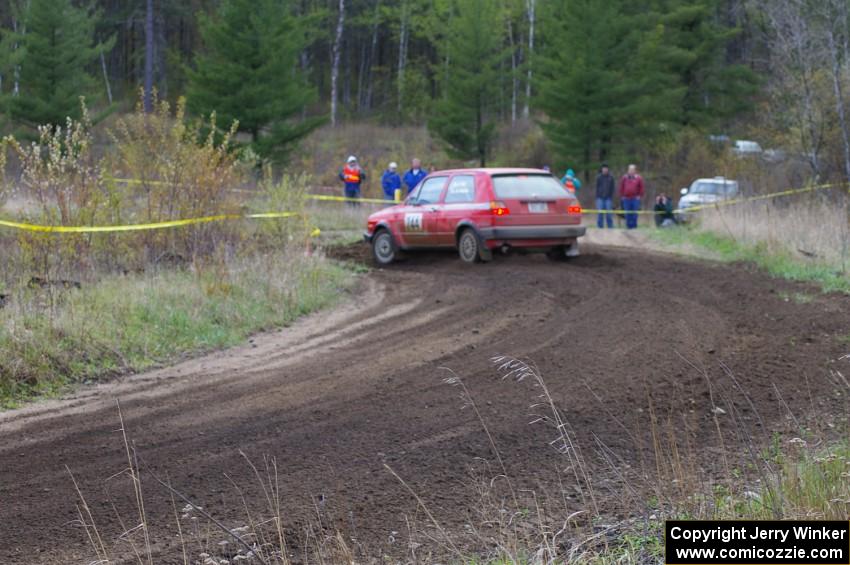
column 704, row 192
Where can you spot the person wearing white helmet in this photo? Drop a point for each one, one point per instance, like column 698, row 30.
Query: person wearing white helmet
column 352, row 176
column 390, row 181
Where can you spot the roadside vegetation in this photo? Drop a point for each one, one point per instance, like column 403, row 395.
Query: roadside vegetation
column 779, row 263
column 50, row 338
column 82, row 306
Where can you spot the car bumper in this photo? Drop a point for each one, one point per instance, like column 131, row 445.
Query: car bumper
column 684, row 214
column 532, row 232
column 367, row 237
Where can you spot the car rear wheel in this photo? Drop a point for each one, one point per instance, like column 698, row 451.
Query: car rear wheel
column 383, row 248
column 470, row 249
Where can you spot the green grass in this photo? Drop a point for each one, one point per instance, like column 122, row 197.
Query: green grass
column 778, row 264
column 131, row 323
column 796, row 297
column 808, row 484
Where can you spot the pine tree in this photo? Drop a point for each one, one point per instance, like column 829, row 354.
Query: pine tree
column 581, row 69
column 464, row 115
column 57, row 52
column 249, row 72
column 716, row 89
column 618, row 76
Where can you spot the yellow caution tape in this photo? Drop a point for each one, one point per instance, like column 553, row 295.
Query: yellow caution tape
column 328, row 198
column 270, row 215
column 130, row 227
column 719, row 203
column 136, row 181
column 142, row 227
column 322, row 197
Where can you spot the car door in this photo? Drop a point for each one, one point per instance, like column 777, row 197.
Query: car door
column 420, row 222
column 457, row 205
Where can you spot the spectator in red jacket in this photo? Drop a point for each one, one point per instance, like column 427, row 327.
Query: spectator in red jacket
column 631, row 191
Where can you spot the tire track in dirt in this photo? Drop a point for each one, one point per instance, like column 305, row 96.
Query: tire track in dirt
column 340, row 394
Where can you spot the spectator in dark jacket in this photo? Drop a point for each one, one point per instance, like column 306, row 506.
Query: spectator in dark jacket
column 664, row 216
column 631, row 191
column 605, row 186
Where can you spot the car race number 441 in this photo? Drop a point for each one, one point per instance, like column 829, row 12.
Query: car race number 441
column 413, row 222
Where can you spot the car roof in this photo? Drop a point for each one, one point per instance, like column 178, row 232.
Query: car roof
column 716, row 180
column 492, row 171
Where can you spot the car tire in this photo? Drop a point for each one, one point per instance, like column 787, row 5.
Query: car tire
column 384, row 249
column 470, row 248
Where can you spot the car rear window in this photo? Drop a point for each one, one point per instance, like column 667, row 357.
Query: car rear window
column 527, row 186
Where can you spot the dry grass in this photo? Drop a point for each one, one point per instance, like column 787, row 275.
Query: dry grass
column 811, row 228
column 55, row 336
column 323, row 153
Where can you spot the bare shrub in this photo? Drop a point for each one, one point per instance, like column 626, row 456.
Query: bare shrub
column 176, row 172
column 61, row 173
column 288, row 194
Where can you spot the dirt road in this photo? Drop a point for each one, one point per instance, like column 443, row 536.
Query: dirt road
column 619, row 336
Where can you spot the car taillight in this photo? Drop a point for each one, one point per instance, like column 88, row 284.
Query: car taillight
column 574, row 209
column 370, row 225
column 499, row 208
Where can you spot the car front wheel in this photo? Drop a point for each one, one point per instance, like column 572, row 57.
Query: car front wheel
column 383, row 248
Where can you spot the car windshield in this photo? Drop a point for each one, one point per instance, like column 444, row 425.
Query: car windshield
column 527, row 186
column 719, row 188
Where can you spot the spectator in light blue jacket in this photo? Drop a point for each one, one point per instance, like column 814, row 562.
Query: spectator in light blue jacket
column 414, row 175
column 390, row 181
column 571, row 181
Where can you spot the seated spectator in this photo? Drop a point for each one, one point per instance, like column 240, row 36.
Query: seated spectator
column 664, row 216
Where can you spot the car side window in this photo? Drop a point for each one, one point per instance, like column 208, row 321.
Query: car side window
column 430, row 190
column 461, row 189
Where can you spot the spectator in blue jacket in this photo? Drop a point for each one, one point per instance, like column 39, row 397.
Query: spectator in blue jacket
column 390, row 181
column 414, row 175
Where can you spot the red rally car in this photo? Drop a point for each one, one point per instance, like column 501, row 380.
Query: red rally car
column 478, row 211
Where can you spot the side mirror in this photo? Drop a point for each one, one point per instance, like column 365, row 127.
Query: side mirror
column 683, row 192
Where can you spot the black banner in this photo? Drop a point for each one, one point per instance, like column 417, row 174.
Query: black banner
column 757, row 542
